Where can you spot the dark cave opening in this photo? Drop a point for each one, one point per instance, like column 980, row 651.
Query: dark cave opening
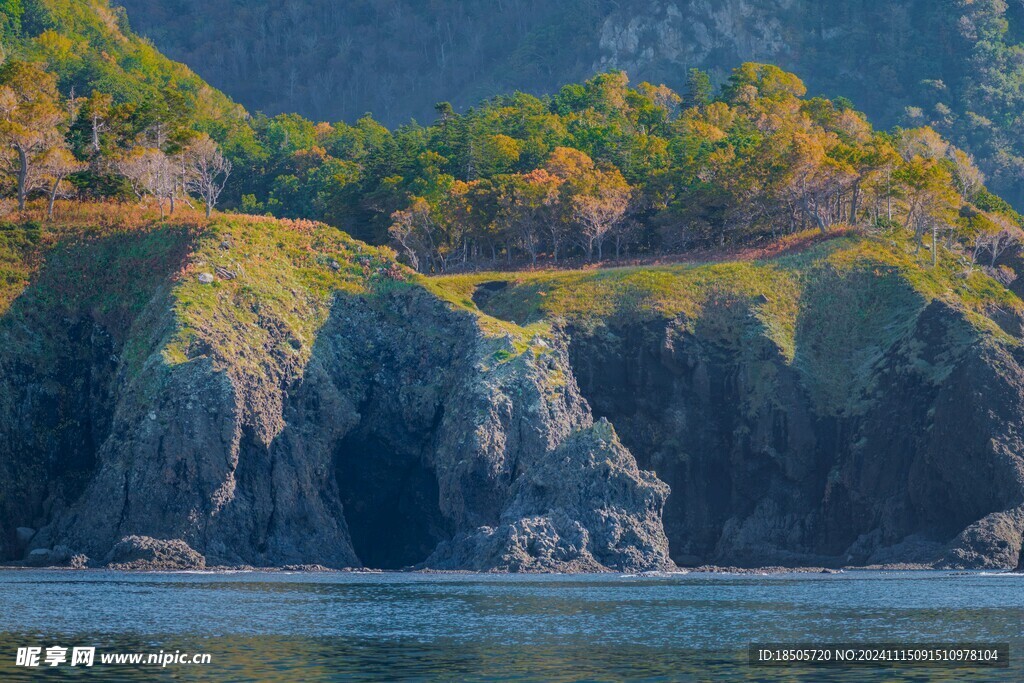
column 487, row 291
column 390, row 498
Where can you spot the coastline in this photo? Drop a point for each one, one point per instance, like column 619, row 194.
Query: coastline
column 680, row 571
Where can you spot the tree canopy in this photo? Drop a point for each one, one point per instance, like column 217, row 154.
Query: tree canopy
column 600, row 168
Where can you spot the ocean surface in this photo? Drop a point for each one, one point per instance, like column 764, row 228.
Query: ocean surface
column 392, row 626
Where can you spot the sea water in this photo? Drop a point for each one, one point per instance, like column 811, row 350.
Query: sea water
column 426, row 627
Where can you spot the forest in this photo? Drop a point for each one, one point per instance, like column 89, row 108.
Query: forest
column 955, row 65
column 600, row 170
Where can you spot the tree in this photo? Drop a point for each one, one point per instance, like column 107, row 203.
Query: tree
column 445, row 112
column 698, row 89
column 148, row 171
column 97, row 111
column 56, row 166
column 528, row 204
column 596, row 200
column 11, row 12
column 566, row 163
column 415, row 231
column 922, row 142
column 479, row 211
column 180, row 172
column 31, row 117
column 880, row 181
column 930, row 197
column 969, row 178
column 982, row 231
column 664, row 98
column 762, row 80
column 1005, row 234
column 495, row 154
column 546, row 193
column 599, row 202
column 404, row 232
column 208, row 171
column 815, row 179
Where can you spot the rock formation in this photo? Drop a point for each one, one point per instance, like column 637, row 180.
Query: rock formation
column 325, row 407
column 401, row 436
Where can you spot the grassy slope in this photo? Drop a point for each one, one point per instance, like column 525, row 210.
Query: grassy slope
column 97, row 260
column 106, row 261
column 112, row 263
column 831, row 310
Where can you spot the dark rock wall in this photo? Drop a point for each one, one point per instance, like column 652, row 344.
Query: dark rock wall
column 409, row 437
column 925, row 467
column 63, row 356
column 53, row 417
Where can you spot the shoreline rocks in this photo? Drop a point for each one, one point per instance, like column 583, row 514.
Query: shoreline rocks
column 141, row 553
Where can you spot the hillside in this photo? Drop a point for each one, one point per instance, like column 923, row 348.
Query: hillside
column 274, row 393
column 181, row 387
column 601, row 169
column 954, row 65
column 89, row 46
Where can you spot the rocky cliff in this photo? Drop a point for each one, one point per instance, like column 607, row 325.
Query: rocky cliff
column 668, row 36
column 253, row 392
column 847, row 406
column 279, row 394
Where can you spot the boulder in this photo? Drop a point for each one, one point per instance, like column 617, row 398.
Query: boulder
column 79, row 562
column 151, row 554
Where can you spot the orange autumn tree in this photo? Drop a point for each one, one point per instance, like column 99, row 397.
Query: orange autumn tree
column 31, row 122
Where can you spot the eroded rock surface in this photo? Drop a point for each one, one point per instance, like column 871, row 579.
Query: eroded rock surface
column 150, row 554
column 370, row 422
column 407, row 429
column 584, row 507
column 915, row 457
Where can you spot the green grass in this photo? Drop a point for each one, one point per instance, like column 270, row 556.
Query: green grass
column 108, row 262
column 457, row 291
column 832, row 310
column 282, row 276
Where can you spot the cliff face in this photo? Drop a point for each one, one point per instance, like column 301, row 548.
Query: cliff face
column 927, row 470
column 668, row 36
column 319, row 404
column 825, row 409
column 312, row 407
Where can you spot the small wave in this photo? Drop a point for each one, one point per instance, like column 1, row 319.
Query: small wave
column 654, row 575
column 203, row 572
